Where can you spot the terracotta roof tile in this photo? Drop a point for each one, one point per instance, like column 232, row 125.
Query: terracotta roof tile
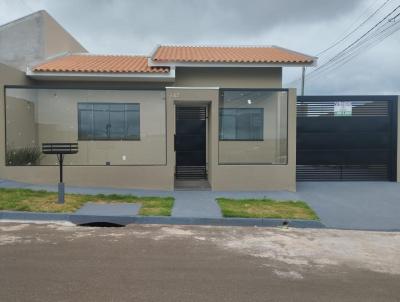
column 99, row 63
column 222, row 54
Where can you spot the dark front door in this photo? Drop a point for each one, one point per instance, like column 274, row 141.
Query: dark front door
column 346, row 137
column 190, row 143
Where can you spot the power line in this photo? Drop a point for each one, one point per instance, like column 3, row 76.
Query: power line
column 366, row 44
column 355, row 29
column 349, row 48
column 355, row 47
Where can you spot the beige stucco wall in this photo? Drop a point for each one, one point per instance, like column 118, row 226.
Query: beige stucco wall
column 221, row 177
column 236, row 177
column 262, row 177
column 35, row 118
column 229, row 77
column 8, row 75
column 146, row 177
column 63, row 127
column 272, row 149
column 21, row 128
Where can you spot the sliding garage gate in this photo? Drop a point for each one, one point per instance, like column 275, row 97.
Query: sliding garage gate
column 346, row 138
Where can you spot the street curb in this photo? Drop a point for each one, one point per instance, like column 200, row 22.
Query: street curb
column 16, row 215
column 80, row 219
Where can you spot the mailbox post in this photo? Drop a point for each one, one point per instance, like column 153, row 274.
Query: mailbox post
column 60, row 149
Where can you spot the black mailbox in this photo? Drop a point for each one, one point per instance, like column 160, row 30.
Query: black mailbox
column 60, row 149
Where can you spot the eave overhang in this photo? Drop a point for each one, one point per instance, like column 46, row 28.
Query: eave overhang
column 102, row 76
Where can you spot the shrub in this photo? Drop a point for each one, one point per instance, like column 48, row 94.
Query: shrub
column 23, row 156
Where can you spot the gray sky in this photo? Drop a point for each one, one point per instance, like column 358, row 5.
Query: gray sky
column 309, row 26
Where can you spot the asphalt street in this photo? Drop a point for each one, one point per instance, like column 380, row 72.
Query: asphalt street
column 62, row 262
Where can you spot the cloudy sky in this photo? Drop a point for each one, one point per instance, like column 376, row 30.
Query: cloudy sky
column 308, row 26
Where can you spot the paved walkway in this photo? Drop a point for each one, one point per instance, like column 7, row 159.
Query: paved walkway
column 196, row 204
column 348, row 205
column 115, row 209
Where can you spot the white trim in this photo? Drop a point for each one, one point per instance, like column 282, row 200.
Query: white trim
column 135, row 76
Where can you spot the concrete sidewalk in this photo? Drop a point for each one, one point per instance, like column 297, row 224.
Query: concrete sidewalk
column 193, row 204
column 345, row 205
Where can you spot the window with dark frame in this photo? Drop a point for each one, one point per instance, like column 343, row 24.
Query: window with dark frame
column 108, row 121
column 241, row 124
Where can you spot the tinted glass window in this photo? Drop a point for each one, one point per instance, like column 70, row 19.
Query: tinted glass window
column 109, row 121
column 86, row 122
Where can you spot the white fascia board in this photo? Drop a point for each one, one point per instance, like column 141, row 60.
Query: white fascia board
column 214, row 65
column 102, row 76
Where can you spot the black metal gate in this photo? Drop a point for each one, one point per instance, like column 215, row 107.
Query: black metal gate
column 190, row 143
column 346, row 138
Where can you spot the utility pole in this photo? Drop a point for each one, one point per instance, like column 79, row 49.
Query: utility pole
column 303, row 78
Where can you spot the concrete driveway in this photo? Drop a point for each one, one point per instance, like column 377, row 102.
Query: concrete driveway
column 354, row 205
column 345, row 205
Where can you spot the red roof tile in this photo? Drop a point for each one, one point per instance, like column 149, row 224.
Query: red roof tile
column 99, row 63
column 222, row 54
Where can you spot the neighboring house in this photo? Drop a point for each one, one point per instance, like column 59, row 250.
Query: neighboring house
column 34, row 38
column 211, row 113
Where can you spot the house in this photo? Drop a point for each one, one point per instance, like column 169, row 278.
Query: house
column 204, row 115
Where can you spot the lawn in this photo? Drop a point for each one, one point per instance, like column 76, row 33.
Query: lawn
column 43, row 201
column 266, row 208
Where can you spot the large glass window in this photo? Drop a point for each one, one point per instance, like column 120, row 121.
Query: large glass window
column 241, row 124
column 108, row 121
column 108, row 132
column 253, row 126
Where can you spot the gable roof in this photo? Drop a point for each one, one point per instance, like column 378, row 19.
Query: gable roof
column 230, row 54
column 88, row 63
